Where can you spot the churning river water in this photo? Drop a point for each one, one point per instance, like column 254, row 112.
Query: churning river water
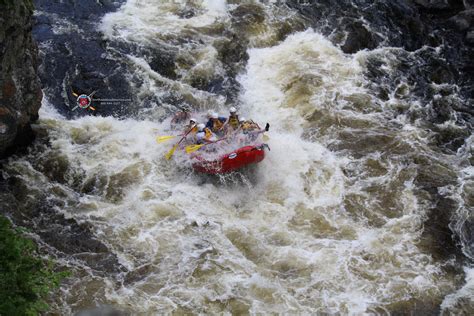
column 335, row 220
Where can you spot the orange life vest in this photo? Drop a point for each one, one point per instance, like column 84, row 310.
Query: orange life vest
column 208, row 133
column 191, row 130
column 216, row 125
column 246, row 126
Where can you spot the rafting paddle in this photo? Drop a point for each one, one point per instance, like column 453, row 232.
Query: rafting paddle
column 162, row 139
column 192, row 148
column 170, row 153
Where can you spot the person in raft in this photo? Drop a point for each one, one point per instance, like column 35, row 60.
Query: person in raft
column 251, row 129
column 216, row 124
column 189, row 131
column 209, row 114
column 180, row 117
column 232, row 123
column 247, row 126
column 204, row 135
column 191, row 126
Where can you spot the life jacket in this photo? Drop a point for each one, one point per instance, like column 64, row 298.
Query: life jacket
column 216, row 125
column 246, row 126
column 193, row 131
column 234, row 121
column 208, row 133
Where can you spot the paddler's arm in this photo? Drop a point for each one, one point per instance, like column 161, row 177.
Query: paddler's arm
column 267, row 127
column 225, row 124
column 188, row 131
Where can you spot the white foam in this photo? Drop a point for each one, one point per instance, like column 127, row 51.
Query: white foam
column 283, row 242
column 141, row 21
column 453, row 302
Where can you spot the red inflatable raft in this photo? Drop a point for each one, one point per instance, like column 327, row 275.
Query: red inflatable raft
column 232, row 161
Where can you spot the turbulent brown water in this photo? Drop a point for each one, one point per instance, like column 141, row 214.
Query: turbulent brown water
column 348, row 213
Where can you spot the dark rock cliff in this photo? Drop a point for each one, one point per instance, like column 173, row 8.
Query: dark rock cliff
column 20, row 93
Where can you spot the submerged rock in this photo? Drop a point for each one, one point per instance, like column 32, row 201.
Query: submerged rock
column 358, row 38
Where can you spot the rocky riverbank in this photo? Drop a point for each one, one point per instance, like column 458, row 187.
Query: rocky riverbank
column 20, row 100
column 382, row 90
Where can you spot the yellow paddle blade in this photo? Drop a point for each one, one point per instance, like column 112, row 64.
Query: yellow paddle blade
column 192, row 148
column 161, row 139
column 265, row 138
column 171, row 152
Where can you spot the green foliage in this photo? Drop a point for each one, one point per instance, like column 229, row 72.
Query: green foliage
column 25, row 279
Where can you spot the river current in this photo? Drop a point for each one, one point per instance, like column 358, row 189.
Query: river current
column 338, row 218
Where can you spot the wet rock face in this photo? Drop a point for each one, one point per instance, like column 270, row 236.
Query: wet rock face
column 20, row 93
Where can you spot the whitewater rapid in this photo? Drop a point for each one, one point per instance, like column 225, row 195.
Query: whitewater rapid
column 330, row 222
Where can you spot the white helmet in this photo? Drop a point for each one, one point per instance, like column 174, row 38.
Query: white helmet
column 201, row 127
column 232, row 110
column 215, row 115
column 242, row 119
column 192, row 120
column 209, row 113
